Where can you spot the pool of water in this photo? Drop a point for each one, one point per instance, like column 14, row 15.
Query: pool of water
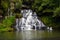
column 30, row 35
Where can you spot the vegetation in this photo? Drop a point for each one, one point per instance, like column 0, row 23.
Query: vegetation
column 47, row 10
column 8, row 10
column 7, row 23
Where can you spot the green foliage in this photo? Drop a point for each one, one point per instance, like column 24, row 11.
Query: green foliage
column 47, row 20
column 48, row 11
column 41, row 5
column 5, row 4
column 18, row 4
column 57, row 12
column 7, row 23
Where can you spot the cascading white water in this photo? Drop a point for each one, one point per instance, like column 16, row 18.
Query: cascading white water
column 28, row 21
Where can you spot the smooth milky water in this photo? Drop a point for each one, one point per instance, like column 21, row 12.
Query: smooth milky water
column 28, row 21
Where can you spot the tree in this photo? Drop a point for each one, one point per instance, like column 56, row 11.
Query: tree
column 48, row 11
column 56, row 12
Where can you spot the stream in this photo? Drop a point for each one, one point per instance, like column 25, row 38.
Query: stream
column 30, row 35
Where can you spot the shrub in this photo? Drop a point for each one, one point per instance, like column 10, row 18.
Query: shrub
column 7, row 23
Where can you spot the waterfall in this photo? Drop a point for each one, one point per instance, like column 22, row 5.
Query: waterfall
column 29, row 21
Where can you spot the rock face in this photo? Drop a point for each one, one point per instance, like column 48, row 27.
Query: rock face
column 29, row 21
